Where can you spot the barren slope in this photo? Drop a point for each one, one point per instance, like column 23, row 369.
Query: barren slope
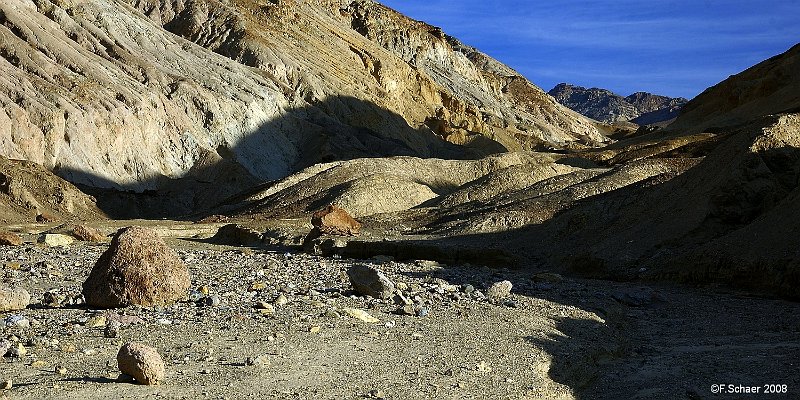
column 712, row 207
column 770, row 87
column 27, row 189
column 133, row 96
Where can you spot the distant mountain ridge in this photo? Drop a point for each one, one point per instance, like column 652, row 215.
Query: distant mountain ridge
column 606, row 106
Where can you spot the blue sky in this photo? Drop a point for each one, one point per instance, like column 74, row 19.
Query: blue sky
column 669, row 47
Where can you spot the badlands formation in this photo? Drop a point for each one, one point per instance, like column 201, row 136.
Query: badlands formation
column 502, row 246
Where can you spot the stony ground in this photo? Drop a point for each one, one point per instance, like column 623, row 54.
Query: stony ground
column 553, row 338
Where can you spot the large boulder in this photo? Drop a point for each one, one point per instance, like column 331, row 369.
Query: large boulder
column 138, row 268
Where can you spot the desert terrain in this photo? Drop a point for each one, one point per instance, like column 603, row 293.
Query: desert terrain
column 512, row 248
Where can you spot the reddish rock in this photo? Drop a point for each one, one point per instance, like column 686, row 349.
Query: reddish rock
column 46, row 217
column 10, row 239
column 333, row 220
column 87, row 234
column 138, row 268
column 142, row 362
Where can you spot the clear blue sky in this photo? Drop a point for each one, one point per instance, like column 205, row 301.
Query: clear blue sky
column 669, row 47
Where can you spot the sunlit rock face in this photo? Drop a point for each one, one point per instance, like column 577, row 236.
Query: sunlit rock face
column 134, row 94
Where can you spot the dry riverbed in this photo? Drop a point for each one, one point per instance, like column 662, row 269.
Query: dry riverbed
column 263, row 323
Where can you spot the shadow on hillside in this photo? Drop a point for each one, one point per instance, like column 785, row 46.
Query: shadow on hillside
column 339, row 128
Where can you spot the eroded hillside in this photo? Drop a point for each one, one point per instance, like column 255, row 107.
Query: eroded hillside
column 135, row 95
column 678, row 205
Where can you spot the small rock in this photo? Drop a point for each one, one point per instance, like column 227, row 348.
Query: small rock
column 112, row 329
column 61, row 370
column 53, row 299
column 18, row 321
column 256, row 286
column 45, row 217
column 549, row 277
column 89, row 352
column 5, row 346
column 510, row 303
column 38, row 364
column 265, row 308
column 259, row 361
column 376, row 394
column 406, row 310
column 281, row 300
column 87, row 234
column 56, row 240
column 141, row 362
column 96, row 322
column 499, row 291
column 10, row 239
column 12, row 299
column 237, row 235
column 210, row 301
column 314, row 329
column 18, row 350
column 468, row 289
column 369, row 281
column 7, row 384
column 483, row 367
column 124, row 320
column 14, row 266
column 361, row 315
column 421, row 311
column 402, row 300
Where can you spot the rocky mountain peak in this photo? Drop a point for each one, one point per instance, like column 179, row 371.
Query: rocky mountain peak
column 603, row 105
